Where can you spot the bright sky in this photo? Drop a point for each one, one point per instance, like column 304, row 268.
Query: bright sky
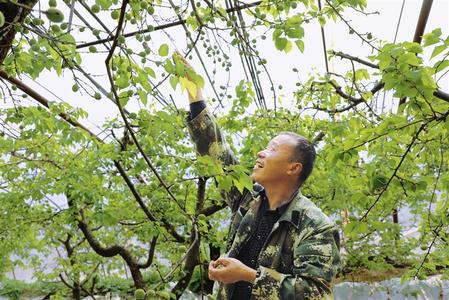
column 382, row 26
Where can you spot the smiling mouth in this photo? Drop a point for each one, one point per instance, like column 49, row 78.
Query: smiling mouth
column 258, row 165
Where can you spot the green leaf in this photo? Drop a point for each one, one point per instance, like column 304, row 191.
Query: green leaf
column 441, row 65
column 224, row 182
column 163, row 50
column 198, row 80
column 410, row 59
column 322, row 21
column 354, row 228
column 190, row 86
column 276, row 33
column 300, row 45
column 105, row 4
column 280, row 43
column 150, row 72
column 361, row 74
column 2, row 19
column 173, row 81
column 168, row 66
column 143, row 96
column 438, row 50
column 288, row 47
column 432, row 37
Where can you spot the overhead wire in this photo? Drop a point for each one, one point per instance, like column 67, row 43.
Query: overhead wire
column 248, row 63
column 323, row 38
column 251, row 64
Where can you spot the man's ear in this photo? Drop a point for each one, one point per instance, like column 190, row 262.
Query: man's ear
column 295, row 169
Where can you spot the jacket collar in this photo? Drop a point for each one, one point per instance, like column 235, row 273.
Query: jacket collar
column 289, row 212
column 293, row 211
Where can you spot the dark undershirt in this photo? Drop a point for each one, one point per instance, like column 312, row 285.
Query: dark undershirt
column 250, row 251
column 196, row 108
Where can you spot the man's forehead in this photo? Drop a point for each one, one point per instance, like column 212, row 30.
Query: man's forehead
column 281, row 139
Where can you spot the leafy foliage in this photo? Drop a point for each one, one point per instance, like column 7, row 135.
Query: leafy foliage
column 132, row 199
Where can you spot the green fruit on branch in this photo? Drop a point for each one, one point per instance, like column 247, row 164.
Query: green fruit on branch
column 95, row 8
column 139, row 294
column 54, row 15
column 164, row 294
column 2, row 19
column 153, row 276
column 115, row 14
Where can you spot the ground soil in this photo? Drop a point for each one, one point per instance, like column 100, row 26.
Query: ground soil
column 364, row 275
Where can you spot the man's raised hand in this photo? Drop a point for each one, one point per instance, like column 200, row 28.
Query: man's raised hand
column 187, row 78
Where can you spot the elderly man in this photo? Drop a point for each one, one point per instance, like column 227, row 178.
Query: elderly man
column 280, row 244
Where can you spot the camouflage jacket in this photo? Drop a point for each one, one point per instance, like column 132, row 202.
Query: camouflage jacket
column 301, row 254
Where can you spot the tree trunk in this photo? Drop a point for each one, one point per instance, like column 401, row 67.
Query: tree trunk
column 191, row 262
column 209, row 284
column 76, row 291
column 137, row 278
column 14, row 14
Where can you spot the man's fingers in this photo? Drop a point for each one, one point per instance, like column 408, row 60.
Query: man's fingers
column 221, row 261
column 182, row 58
column 211, row 264
column 211, row 270
column 217, row 269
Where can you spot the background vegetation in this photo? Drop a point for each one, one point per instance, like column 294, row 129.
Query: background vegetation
column 131, row 200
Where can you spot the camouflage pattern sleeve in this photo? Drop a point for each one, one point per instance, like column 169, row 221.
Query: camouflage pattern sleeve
column 209, row 140
column 316, row 261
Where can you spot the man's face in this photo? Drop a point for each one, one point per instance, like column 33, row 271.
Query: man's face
column 274, row 162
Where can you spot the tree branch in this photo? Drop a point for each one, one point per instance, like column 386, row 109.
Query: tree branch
column 409, row 147
column 151, row 251
column 438, row 93
column 65, row 282
column 44, row 102
column 207, row 211
column 14, row 13
column 191, row 258
column 162, row 27
column 120, row 107
column 353, row 58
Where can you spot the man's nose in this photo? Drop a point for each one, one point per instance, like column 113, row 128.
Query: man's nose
column 261, row 154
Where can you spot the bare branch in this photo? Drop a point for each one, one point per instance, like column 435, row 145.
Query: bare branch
column 151, row 251
column 353, row 58
column 65, row 282
column 409, row 147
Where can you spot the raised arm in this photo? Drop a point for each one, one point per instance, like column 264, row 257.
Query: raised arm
column 208, row 137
